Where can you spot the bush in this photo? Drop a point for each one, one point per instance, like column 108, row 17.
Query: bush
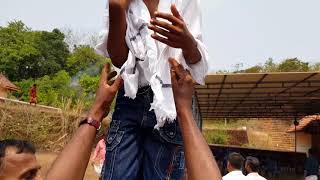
column 216, row 136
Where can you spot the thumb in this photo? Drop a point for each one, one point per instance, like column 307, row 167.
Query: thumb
column 117, row 83
column 178, row 69
column 174, row 78
column 175, row 12
column 104, row 74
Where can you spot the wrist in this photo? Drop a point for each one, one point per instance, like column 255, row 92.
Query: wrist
column 190, row 46
column 183, row 111
column 98, row 112
column 190, row 52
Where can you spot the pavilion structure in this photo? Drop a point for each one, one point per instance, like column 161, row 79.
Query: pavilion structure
column 262, row 95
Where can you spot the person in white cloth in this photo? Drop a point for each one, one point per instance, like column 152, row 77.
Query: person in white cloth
column 144, row 139
column 234, row 166
column 252, row 167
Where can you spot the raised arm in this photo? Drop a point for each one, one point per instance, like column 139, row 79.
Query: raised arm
column 72, row 162
column 116, row 45
column 199, row 161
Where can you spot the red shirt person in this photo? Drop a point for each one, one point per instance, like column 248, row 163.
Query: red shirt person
column 33, row 94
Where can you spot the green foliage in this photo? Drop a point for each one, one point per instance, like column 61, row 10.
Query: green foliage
column 254, row 69
column 40, row 57
column 293, row 65
column 88, row 85
column 51, row 90
column 216, row 136
column 85, row 60
column 270, row 66
column 288, row 65
column 315, row 67
column 28, row 54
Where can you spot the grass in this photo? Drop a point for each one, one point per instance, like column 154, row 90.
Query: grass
column 216, row 136
column 48, row 130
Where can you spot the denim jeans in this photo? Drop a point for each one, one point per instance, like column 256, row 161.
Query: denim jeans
column 135, row 150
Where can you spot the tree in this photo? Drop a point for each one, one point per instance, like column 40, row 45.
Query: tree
column 85, row 60
column 28, row 54
column 293, row 65
column 288, row 65
column 16, row 50
column 315, row 67
column 51, row 90
column 270, row 66
column 54, row 52
column 254, row 69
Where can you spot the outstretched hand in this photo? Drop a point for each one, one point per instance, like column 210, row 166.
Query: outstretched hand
column 173, row 33
column 105, row 93
column 182, row 85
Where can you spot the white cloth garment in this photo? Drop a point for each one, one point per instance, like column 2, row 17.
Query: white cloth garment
column 255, row 176
column 312, row 177
column 234, row 175
column 147, row 62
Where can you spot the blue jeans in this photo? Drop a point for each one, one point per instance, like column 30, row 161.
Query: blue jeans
column 135, row 150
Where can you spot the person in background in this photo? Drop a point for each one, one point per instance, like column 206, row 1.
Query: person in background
column 252, row 166
column 234, row 165
column 33, row 95
column 311, row 166
column 98, row 156
column 18, row 161
column 72, row 162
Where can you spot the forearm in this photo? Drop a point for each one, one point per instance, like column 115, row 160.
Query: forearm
column 73, row 160
column 117, row 47
column 191, row 52
column 199, row 159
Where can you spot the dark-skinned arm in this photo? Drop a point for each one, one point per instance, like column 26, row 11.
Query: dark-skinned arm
column 199, row 161
column 72, row 162
column 116, row 45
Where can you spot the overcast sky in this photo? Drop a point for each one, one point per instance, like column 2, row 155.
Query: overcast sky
column 235, row 31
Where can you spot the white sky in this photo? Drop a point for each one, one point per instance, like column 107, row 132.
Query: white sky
column 235, row 31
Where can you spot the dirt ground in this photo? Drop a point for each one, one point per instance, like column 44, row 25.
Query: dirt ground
column 46, row 159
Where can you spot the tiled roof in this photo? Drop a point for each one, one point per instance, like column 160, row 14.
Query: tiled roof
column 305, row 122
column 5, row 83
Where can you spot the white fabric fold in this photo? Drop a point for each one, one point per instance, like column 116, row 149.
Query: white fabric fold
column 147, row 62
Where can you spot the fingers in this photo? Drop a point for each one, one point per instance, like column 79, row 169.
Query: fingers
column 164, row 40
column 104, row 74
column 164, row 25
column 169, row 17
column 163, row 32
column 111, row 75
column 110, row 82
column 177, row 68
column 174, row 78
column 175, row 12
